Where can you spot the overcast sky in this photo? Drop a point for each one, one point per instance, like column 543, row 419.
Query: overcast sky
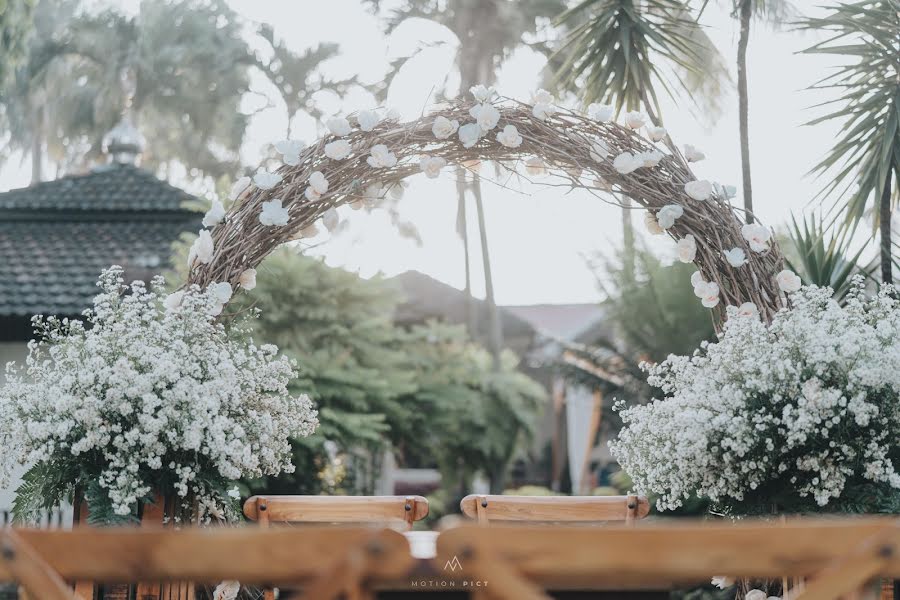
column 538, row 236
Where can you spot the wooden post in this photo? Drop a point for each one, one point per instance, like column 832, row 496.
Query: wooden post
column 481, row 510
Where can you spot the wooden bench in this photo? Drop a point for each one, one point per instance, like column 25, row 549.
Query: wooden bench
column 555, row 509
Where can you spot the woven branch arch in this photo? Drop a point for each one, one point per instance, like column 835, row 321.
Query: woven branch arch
column 562, row 140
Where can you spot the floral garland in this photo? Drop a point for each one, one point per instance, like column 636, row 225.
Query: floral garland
column 360, row 163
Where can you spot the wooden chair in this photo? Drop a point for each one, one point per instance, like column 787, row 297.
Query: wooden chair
column 555, row 509
column 266, row 510
column 336, row 509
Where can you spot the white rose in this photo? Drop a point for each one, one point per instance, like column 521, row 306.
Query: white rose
column 338, row 126
column 290, row 151
column 273, row 215
column 667, row 215
column 247, row 280
column 788, row 281
column 651, row 224
column 600, row 112
column 265, row 180
column 444, row 127
column 657, row 134
column 318, row 182
column 542, row 111
column 432, row 165
column 755, row 595
column 687, row 249
column 221, row 291
column 331, row 219
column 173, row 300
column 693, row 154
column 708, row 292
column 698, row 190
column 635, row 119
column 338, row 149
column 227, row 590
column 214, row 215
column 757, row 236
column 380, row 157
column 510, row 137
column 485, row 115
column 542, row 96
column 722, row 582
column 748, row 309
column 599, row 150
column 697, row 278
column 367, row 119
column 736, row 257
column 469, row 134
column 201, row 249
column 481, row 93
column 650, row 159
column 626, row 163
column 534, row 165
column 238, row 187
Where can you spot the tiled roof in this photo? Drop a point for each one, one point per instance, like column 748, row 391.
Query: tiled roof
column 57, row 236
column 112, row 187
column 52, row 268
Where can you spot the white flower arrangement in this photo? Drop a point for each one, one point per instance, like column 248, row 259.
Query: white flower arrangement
column 149, row 394
column 799, row 415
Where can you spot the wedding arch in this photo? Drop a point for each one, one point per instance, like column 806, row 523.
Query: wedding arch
column 361, row 163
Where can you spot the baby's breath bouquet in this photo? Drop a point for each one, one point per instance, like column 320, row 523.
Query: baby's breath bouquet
column 802, row 415
column 149, row 393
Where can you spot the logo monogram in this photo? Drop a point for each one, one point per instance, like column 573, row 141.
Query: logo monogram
column 453, row 564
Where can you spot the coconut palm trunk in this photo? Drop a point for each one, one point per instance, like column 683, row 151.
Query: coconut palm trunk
column 746, row 13
column 884, row 210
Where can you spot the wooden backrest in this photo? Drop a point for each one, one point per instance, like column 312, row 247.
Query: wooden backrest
column 336, row 509
column 555, row 508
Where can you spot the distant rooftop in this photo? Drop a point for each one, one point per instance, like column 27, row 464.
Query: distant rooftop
column 57, row 236
column 564, row 321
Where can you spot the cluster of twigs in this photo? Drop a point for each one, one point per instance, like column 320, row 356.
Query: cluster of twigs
column 563, row 141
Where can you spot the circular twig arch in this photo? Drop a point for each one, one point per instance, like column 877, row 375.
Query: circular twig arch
column 567, row 144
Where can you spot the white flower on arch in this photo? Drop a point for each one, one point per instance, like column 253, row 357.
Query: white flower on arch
column 482, row 93
column 687, row 249
column 698, row 190
column 290, row 151
column 736, row 257
column 757, row 236
column 600, row 112
column 788, row 281
column 668, row 213
column 380, row 157
column 215, row 214
column 432, row 165
column 367, row 119
column 202, row 249
column 486, row 115
column 469, row 134
column 693, row 154
column 265, row 180
column 635, row 119
column 510, row 137
column 273, row 214
column 338, row 149
column 338, row 126
column 444, row 127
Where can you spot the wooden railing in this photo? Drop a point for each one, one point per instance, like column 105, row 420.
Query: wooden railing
column 835, row 557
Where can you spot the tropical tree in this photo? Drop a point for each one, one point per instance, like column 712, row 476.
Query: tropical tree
column 487, row 31
column 775, row 12
column 864, row 163
column 181, row 69
column 15, row 27
column 625, row 52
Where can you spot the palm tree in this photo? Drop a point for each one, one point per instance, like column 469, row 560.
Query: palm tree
column 189, row 65
column 867, row 152
column 622, row 52
column 487, row 31
column 776, row 12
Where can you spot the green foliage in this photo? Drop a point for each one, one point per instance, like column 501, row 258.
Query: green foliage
column 866, row 154
column 44, row 487
column 655, row 310
column 824, row 258
column 15, row 27
column 622, row 52
column 428, row 392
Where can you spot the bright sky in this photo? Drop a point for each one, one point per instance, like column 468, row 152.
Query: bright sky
column 538, row 237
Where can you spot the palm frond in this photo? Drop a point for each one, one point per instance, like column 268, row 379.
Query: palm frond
column 866, row 101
